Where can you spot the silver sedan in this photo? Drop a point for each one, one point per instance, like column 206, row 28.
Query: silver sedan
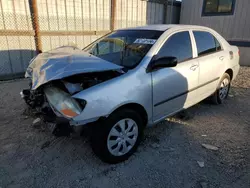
column 130, row 79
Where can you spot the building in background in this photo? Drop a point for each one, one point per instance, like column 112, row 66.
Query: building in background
column 63, row 22
column 228, row 17
column 173, row 12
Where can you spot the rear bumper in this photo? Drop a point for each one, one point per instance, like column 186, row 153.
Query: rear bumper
column 236, row 70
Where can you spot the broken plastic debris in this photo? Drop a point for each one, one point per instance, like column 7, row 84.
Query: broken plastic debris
column 36, row 122
column 211, row 147
column 73, row 88
column 201, row 164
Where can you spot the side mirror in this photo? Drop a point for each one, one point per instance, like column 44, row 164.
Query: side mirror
column 162, row 62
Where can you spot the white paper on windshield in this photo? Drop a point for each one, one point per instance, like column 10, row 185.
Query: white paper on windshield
column 145, row 41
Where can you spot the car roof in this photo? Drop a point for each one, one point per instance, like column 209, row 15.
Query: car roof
column 164, row 27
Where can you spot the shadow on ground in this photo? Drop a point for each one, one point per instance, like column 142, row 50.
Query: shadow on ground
column 167, row 156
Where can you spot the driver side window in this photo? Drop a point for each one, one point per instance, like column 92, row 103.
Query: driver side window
column 179, row 46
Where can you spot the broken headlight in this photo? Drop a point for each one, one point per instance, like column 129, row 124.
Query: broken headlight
column 28, row 73
column 63, row 102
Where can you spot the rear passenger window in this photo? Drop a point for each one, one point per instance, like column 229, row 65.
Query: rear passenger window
column 206, row 43
column 179, row 46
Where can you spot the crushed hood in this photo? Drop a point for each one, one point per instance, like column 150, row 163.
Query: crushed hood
column 64, row 62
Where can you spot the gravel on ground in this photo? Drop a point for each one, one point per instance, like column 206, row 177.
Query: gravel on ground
column 171, row 155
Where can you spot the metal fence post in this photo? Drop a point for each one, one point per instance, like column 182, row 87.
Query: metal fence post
column 35, row 23
column 113, row 14
column 165, row 10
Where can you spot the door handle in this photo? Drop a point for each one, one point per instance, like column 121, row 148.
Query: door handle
column 221, row 58
column 194, row 67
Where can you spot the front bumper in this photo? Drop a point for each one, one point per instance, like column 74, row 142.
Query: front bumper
column 58, row 124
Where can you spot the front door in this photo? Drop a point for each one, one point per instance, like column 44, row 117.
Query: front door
column 174, row 88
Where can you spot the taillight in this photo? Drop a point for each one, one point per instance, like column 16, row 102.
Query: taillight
column 239, row 52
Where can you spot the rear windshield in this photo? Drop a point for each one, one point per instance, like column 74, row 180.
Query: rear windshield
column 124, row 47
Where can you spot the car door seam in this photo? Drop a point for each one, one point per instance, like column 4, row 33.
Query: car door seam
column 183, row 93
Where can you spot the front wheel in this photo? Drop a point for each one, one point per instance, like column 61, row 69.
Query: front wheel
column 117, row 138
column 223, row 89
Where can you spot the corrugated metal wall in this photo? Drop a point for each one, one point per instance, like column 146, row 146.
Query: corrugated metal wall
column 233, row 27
column 64, row 22
column 173, row 13
column 72, row 15
column 15, row 51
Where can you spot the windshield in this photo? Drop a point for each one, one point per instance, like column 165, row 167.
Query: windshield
column 124, row 47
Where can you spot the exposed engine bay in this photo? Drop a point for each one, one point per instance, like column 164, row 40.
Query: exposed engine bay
column 57, row 75
column 36, row 99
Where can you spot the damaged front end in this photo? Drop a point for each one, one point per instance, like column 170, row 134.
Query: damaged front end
column 56, row 76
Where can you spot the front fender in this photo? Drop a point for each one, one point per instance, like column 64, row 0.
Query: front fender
column 104, row 98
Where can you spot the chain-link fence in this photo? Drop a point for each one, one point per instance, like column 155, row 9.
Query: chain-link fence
column 31, row 26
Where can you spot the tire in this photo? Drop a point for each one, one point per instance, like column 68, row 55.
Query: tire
column 221, row 92
column 104, row 136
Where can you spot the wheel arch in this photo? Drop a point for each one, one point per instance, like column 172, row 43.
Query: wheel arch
column 136, row 107
column 230, row 72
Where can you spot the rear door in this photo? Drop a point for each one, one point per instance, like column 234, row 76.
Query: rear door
column 173, row 88
column 211, row 59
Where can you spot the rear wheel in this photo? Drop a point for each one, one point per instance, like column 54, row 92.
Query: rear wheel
column 117, row 138
column 223, row 89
